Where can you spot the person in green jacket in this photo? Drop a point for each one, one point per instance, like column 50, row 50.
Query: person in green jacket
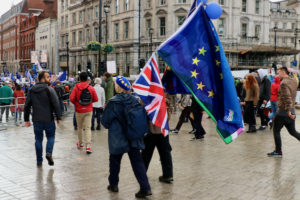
column 109, row 87
column 6, row 94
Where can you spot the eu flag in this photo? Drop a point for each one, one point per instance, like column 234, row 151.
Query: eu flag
column 196, row 56
column 172, row 84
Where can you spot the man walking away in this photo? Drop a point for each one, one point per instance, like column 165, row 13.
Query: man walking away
column 99, row 105
column 60, row 91
column 6, row 94
column 83, row 96
column 44, row 103
column 285, row 115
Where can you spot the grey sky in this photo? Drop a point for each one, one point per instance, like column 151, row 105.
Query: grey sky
column 5, row 5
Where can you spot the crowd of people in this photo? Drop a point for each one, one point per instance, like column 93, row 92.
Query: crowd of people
column 108, row 102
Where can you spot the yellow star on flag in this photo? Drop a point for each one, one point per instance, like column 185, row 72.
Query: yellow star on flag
column 221, row 76
column 217, row 48
column 211, row 93
column 218, row 63
column 202, row 51
column 195, row 61
column 200, row 86
column 194, row 74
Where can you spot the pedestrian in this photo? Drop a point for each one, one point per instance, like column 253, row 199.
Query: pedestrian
column 274, row 97
column 99, row 105
column 6, row 98
column 250, row 102
column 109, row 86
column 285, row 116
column 185, row 106
column 19, row 97
column 113, row 116
column 83, row 96
column 156, row 139
column 60, row 91
column 197, row 111
column 44, row 103
column 264, row 97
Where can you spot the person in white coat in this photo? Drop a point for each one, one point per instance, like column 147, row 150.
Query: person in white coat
column 99, row 105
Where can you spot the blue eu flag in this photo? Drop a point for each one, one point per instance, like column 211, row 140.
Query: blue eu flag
column 195, row 55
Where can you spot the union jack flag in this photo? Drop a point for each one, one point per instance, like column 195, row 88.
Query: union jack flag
column 149, row 88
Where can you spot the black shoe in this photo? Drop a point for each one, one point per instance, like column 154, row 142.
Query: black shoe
column 98, row 128
column 261, row 128
column 275, row 154
column 92, row 128
column 197, row 138
column 39, row 164
column 175, row 131
column 75, row 128
column 251, row 131
column 192, row 131
column 49, row 158
column 143, row 193
column 165, row 180
column 270, row 124
column 113, row 188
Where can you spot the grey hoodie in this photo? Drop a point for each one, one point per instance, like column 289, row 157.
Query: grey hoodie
column 44, row 102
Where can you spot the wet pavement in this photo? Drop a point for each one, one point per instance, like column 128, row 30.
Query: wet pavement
column 206, row 169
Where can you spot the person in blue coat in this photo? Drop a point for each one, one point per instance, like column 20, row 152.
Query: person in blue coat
column 113, row 119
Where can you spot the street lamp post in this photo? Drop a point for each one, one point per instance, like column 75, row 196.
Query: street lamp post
column 100, row 37
column 296, row 33
column 106, row 11
column 275, row 40
column 67, row 43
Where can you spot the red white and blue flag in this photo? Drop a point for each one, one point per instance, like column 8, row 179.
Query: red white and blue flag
column 150, row 89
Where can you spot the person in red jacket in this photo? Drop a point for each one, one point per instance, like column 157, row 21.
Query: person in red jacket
column 20, row 97
column 274, row 96
column 83, row 100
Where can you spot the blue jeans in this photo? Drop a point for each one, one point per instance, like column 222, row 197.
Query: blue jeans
column 39, row 128
column 96, row 114
column 274, row 109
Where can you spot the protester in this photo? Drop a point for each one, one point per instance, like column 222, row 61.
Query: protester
column 20, row 97
column 59, row 89
column 250, row 103
column 264, row 97
column 274, row 97
column 6, row 98
column 197, row 111
column 83, row 96
column 44, row 103
column 156, row 139
column 285, row 115
column 112, row 119
column 109, row 86
column 99, row 105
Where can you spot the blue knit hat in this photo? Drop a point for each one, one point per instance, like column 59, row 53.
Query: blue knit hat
column 123, row 82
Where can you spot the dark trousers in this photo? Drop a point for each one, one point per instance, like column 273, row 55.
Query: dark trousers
column 39, row 129
column 5, row 107
column 184, row 113
column 74, row 120
column 96, row 114
column 282, row 119
column 61, row 103
column 137, row 165
column 198, row 123
column 164, row 149
column 263, row 118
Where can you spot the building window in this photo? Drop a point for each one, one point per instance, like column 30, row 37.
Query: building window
column 80, row 17
column 117, row 6
column 74, row 18
column 257, row 2
column 293, row 26
column 162, row 26
column 221, row 2
column 62, row 22
column 162, row 2
column 283, row 40
column 292, row 40
column 221, row 26
column 96, row 33
column 284, row 26
column 148, row 26
column 62, row 41
column 244, row 30
column 181, row 1
column 127, row 62
column 244, row 5
column 126, row 30
column 257, row 31
column 67, row 21
column 180, row 20
column 88, row 35
column 126, row 5
column 116, row 31
column 67, row 4
column 80, row 37
column 89, row 11
column 62, row 5
column 74, row 39
column 96, row 12
column 148, row 3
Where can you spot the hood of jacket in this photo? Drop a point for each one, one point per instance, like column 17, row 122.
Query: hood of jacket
column 82, row 85
column 276, row 80
column 110, row 79
column 261, row 73
column 39, row 87
column 122, row 97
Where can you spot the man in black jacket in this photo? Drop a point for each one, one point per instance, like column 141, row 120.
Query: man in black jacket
column 44, row 103
column 264, row 97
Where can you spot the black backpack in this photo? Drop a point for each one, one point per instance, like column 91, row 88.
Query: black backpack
column 85, row 97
